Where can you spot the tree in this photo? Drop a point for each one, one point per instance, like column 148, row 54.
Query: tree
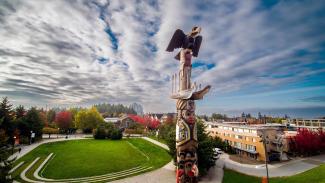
column 218, row 116
column 137, row 108
column 33, row 122
column 5, row 164
column 205, row 151
column 88, row 119
column 51, row 115
column 308, row 142
column 74, row 112
column 64, row 120
column 259, row 115
column 20, row 111
column 6, row 115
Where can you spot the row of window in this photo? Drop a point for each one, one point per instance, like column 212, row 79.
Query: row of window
column 242, row 145
column 240, row 130
column 239, row 137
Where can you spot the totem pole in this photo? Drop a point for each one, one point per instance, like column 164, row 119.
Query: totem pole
column 185, row 94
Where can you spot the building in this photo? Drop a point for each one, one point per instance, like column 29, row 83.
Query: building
column 246, row 139
column 311, row 124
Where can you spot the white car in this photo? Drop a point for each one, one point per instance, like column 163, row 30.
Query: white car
column 217, row 153
column 218, row 150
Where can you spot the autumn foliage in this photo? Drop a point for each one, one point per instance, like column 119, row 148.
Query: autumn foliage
column 63, row 119
column 308, row 142
column 147, row 121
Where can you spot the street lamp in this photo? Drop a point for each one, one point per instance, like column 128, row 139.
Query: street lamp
column 265, row 140
column 13, row 145
column 31, row 136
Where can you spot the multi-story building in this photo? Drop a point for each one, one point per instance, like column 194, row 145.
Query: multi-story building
column 246, row 139
column 312, row 124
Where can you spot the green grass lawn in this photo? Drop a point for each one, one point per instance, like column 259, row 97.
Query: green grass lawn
column 158, row 139
column 315, row 175
column 82, row 158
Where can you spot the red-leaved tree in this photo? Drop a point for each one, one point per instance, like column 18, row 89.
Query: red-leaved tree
column 64, row 119
column 308, row 142
column 146, row 121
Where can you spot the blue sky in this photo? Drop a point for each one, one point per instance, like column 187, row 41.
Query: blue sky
column 266, row 56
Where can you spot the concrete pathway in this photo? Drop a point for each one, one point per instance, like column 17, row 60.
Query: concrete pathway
column 164, row 146
column 289, row 168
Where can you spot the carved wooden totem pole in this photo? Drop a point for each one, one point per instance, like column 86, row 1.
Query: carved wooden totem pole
column 185, row 94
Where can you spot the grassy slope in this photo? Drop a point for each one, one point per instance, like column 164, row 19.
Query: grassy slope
column 158, row 156
column 80, row 158
column 315, row 175
column 158, row 139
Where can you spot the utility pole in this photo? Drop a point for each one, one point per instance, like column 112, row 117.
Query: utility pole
column 265, row 140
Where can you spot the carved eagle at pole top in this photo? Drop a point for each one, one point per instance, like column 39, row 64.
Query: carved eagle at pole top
column 191, row 41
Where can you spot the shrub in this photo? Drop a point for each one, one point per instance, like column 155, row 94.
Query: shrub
column 205, row 150
column 116, row 134
column 48, row 130
column 100, row 133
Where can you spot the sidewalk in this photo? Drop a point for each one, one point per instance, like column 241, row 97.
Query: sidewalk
column 290, row 168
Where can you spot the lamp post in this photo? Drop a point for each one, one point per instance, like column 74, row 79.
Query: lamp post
column 265, row 140
column 31, row 136
column 13, row 145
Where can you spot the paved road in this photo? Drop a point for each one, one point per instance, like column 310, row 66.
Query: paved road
column 276, row 170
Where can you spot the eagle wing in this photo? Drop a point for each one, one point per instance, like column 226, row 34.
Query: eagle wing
column 197, row 45
column 176, row 41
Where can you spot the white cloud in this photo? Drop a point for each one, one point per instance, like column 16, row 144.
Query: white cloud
column 49, row 50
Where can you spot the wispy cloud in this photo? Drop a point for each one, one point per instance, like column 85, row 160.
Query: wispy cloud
column 81, row 52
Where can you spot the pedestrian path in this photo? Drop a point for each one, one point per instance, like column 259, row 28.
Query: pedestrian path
column 289, row 168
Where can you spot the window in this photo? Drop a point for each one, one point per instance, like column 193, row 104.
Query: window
column 246, row 138
column 253, row 139
column 240, row 130
column 251, row 148
column 237, row 144
column 246, row 130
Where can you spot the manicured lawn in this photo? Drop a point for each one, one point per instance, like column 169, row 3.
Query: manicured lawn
column 81, row 158
column 315, row 175
column 158, row 139
column 231, row 176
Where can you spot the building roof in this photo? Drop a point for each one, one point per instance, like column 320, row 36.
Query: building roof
column 111, row 120
column 247, row 126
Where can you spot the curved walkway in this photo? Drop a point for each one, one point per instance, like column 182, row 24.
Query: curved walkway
column 289, row 168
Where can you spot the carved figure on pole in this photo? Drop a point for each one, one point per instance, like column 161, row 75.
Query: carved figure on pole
column 186, row 94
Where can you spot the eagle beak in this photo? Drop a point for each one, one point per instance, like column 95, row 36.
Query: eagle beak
column 198, row 29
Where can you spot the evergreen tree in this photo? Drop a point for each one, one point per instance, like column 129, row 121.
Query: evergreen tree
column 34, row 122
column 6, row 116
column 205, row 151
column 259, row 115
column 20, row 111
